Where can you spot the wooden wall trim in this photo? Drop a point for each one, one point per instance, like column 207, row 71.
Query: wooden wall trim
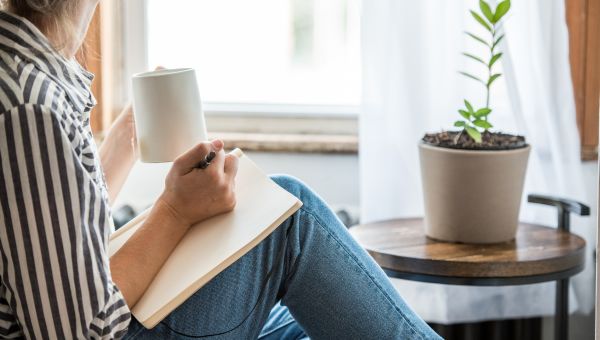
column 583, row 20
column 576, row 19
column 592, row 78
column 90, row 56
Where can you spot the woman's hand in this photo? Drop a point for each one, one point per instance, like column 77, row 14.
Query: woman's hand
column 193, row 194
column 126, row 123
column 119, row 152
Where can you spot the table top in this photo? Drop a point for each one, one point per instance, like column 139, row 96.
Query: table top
column 537, row 254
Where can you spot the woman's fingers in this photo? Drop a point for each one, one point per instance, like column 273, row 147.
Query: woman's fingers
column 188, row 187
column 217, row 164
column 191, row 158
column 222, row 163
column 218, row 144
column 231, row 165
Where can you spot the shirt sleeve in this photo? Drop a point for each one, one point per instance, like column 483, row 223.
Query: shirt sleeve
column 54, row 228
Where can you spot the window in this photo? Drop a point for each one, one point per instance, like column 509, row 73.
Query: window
column 292, row 59
column 298, row 52
column 277, row 57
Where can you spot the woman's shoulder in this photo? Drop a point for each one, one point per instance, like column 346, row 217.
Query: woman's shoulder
column 27, row 95
column 22, row 83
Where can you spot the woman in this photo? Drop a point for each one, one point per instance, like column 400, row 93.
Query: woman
column 56, row 279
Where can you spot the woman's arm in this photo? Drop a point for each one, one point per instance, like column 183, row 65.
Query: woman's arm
column 191, row 195
column 53, row 227
column 134, row 266
column 118, row 152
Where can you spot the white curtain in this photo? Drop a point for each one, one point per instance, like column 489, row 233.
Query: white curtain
column 411, row 54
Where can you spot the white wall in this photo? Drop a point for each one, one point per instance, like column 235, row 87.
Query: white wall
column 334, row 177
column 582, row 326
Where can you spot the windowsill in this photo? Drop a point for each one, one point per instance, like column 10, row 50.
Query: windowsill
column 292, row 143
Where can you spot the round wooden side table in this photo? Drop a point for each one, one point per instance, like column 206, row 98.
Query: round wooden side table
column 538, row 254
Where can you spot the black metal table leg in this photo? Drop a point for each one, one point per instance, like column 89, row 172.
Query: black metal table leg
column 564, row 207
column 561, row 321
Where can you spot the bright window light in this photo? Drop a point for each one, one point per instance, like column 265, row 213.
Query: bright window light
column 287, row 52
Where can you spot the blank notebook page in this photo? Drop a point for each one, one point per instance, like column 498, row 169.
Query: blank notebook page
column 212, row 245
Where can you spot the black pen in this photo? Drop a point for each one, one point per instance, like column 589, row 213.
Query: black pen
column 206, row 161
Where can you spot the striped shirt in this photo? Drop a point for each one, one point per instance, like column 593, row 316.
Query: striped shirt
column 55, row 220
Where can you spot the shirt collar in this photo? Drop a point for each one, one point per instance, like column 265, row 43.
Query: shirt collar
column 27, row 43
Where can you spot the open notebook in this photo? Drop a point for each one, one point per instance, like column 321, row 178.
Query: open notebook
column 212, row 245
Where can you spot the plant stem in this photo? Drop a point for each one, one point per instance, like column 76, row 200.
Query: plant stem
column 487, row 86
column 487, row 97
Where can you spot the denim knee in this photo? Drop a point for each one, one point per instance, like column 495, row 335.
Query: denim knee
column 291, row 184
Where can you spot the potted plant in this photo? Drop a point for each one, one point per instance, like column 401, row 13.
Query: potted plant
column 473, row 178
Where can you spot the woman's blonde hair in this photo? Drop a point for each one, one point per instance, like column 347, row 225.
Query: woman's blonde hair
column 52, row 17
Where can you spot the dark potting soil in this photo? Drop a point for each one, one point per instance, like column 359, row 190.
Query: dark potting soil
column 492, row 141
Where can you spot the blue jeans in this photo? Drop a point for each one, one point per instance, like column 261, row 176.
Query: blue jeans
column 309, row 278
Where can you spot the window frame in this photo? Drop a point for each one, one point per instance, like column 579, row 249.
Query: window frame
column 233, row 117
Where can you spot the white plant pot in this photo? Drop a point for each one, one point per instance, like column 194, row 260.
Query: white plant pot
column 472, row 196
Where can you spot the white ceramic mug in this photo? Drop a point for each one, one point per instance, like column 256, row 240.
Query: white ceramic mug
column 168, row 113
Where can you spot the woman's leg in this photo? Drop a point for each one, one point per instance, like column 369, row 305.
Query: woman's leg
column 282, row 325
column 334, row 289
column 331, row 286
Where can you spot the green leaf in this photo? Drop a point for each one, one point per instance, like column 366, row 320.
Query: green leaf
column 494, row 59
column 475, row 58
column 465, row 114
column 474, row 133
column 487, row 11
column 481, row 40
column 492, row 78
column 497, row 41
column 472, row 77
column 501, row 10
column 459, row 123
column 482, row 112
column 481, row 21
column 469, row 107
column 483, row 124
